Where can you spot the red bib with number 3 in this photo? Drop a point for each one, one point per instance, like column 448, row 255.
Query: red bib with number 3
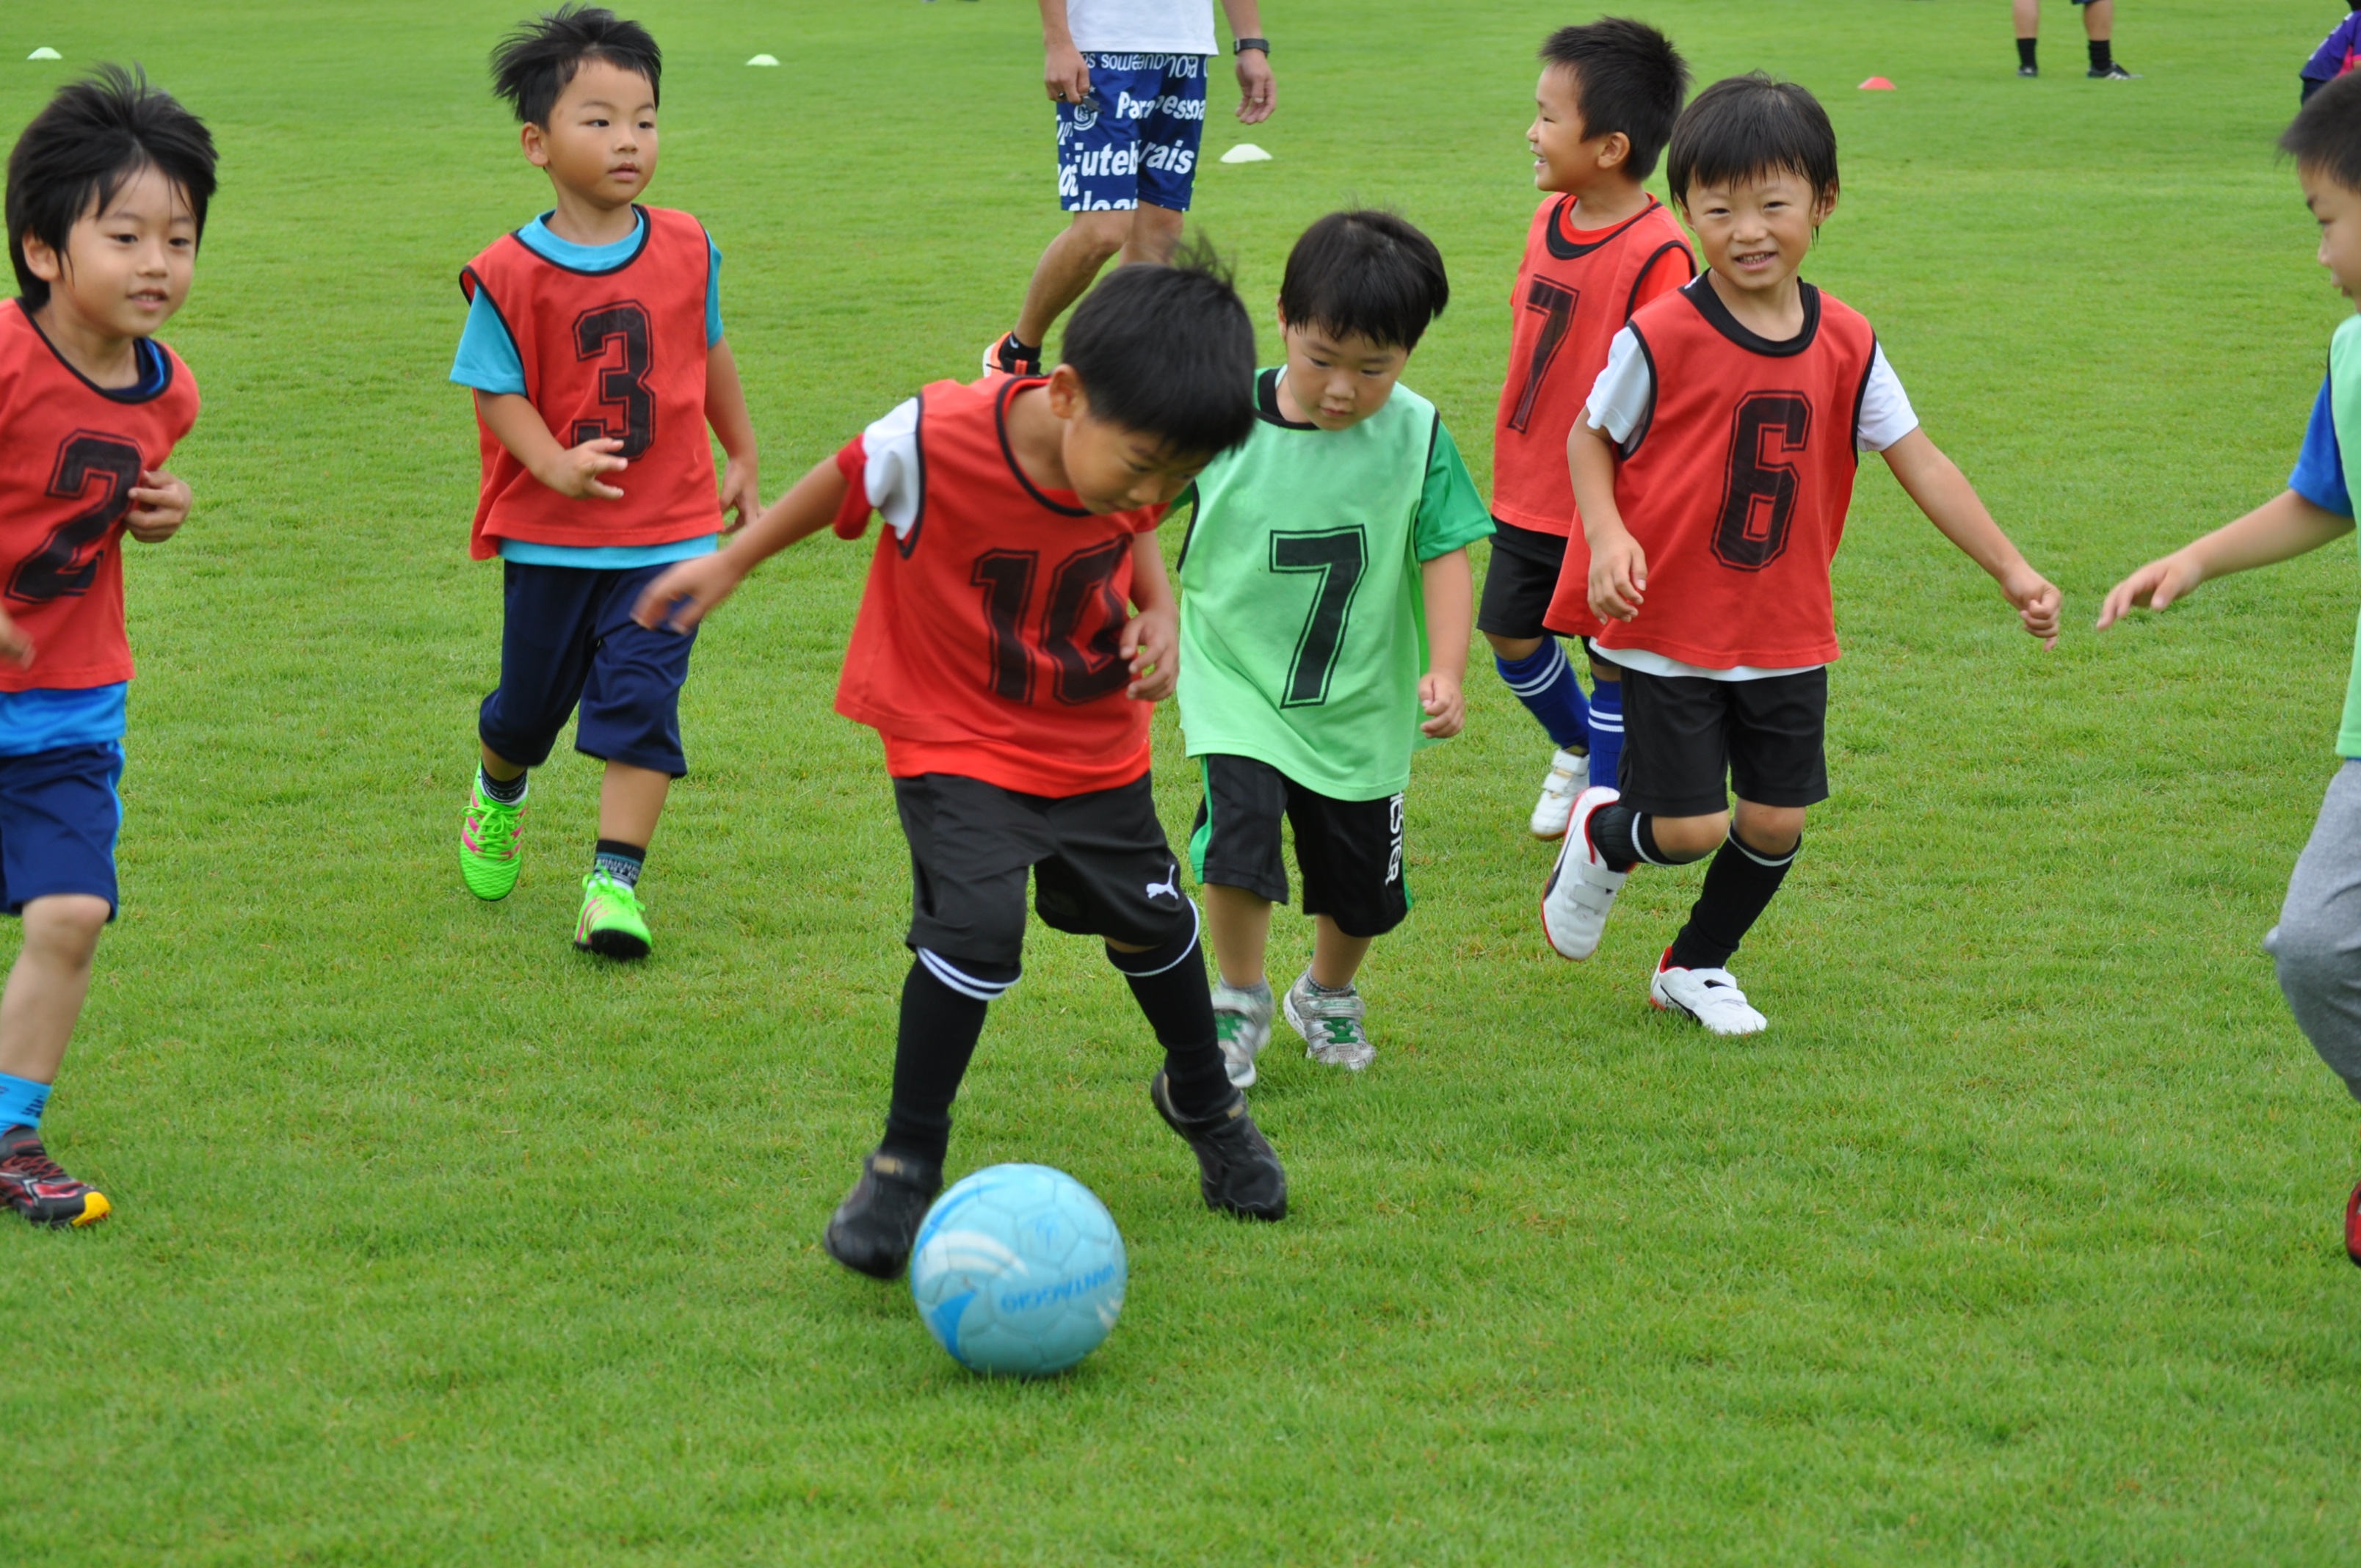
column 621, row 355
column 1736, row 483
column 74, row 454
column 987, row 640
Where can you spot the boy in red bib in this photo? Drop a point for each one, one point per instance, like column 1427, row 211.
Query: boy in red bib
column 1016, row 627
column 1598, row 249
column 107, row 192
column 1713, row 468
column 594, row 347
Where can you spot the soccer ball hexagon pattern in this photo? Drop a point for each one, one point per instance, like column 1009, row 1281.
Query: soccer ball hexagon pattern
column 1019, row 1271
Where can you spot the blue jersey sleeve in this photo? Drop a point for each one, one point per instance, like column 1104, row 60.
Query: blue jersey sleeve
column 713, row 295
column 488, row 358
column 2319, row 476
column 2327, row 63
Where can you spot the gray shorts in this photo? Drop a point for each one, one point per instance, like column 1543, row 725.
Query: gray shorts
column 2317, row 942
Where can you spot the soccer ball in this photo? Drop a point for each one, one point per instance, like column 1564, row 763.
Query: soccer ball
column 1019, row 1271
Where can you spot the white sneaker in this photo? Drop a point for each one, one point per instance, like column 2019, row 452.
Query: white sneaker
column 1708, row 995
column 1242, row 1024
column 1569, row 775
column 1580, row 890
column 1330, row 1023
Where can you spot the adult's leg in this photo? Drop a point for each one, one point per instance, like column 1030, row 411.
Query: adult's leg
column 2317, row 942
column 1068, row 268
column 2099, row 20
column 2028, row 19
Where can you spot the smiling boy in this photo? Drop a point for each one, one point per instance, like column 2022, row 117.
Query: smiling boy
column 2317, row 943
column 1325, row 605
column 1713, row 469
column 107, row 192
column 1015, row 630
column 594, row 347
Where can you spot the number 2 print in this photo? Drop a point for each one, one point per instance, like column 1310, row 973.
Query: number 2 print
column 67, row 563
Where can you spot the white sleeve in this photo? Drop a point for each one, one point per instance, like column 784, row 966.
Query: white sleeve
column 891, row 470
column 1886, row 415
column 1625, row 391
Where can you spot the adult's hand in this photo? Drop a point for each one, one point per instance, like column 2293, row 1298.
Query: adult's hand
column 1257, row 93
column 1065, row 76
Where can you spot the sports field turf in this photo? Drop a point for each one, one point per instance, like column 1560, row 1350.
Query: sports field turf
column 2012, row 1242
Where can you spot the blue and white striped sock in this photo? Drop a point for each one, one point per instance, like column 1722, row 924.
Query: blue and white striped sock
column 1606, row 732
column 1544, row 681
column 21, row 1101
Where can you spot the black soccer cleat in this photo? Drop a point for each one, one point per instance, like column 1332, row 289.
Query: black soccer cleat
column 874, row 1229
column 1005, row 358
column 2028, row 71
column 1239, row 1172
column 2114, row 72
column 32, row 1184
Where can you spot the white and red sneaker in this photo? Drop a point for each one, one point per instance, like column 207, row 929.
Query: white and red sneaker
column 1710, row 996
column 1580, row 890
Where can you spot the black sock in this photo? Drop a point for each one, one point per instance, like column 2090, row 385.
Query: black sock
column 2102, row 53
column 939, row 1028
column 1019, row 349
column 1739, row 886
column 622, row 862
column 1624, row 837
column 1170, row 986
column 2025, row 47
column 507, row 792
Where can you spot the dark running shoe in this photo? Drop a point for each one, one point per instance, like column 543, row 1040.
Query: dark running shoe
column 1005, row 358
column 873, row 1229
column 1237, row 1172
column 2028, row 71
column 34, row 1187
column 2353, row 1227
column 2115, row 72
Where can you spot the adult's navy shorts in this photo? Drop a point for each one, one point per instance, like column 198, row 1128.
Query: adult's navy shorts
column 568, row 640
column 58, row 818
column 1135, row 138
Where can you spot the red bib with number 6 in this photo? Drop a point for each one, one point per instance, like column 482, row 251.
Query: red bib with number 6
column 1736, row 483
column 618, row 355
column 73, row 454
column 987, row 640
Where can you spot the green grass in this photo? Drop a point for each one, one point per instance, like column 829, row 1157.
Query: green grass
column 2014, row 1241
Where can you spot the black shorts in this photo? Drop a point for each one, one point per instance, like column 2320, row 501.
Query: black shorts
column 1683, row 735
column 1100, row 864
column 567, row 638
column 1521, row 581
column 1350, row 851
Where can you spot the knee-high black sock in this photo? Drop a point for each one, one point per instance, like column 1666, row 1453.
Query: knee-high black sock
column 2025, row 47
column 1168, row 984
column 1739, row 886
column 2102, row 53
column 939, row 1028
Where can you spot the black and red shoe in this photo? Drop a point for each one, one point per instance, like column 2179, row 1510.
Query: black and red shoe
column 32, row 1184
column 2353, row 1227
column 1007, row 357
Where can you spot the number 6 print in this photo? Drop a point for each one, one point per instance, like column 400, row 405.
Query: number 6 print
column 1759, row 501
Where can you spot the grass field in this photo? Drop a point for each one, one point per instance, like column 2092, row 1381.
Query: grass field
column 2012, row 1242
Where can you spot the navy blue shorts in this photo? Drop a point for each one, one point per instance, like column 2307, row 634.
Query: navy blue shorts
column 1135, row 138
column 58, row 818
column 568, row 638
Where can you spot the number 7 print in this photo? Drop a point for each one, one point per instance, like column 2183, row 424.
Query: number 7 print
column 1556, row 302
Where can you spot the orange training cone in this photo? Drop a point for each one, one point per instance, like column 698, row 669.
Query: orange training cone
column 1877, row 84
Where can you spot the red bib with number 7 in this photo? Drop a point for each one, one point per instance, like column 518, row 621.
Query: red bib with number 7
column 987, row 639
column 74, row 454
column 1736, row 483
column 618, row 354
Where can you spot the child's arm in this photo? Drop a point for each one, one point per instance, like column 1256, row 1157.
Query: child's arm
column 1619, row 567
column 14, row 646
column 688, row 593
column 516, row 424
column 1152, row 637
column 2282, row 528
column 1951, row 504
column 160, row 504
column 725, row 410
column 1449, row 588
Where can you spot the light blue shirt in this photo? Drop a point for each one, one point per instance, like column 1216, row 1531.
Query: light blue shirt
column 46, row 719
column 488, row 362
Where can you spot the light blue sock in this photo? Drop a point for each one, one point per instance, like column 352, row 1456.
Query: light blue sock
column 1545, row 683
column 1606, row 732
column 21, row 1101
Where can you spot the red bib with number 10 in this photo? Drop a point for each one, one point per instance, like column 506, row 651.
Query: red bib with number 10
column 74, row 454
column 987, row 640
column 1737, row 484
column 618, row 354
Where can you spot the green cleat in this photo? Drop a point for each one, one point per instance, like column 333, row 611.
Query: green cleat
column 488, row 845
column 611, row 923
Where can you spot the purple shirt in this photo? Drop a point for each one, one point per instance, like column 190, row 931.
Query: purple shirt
column 2335, row 56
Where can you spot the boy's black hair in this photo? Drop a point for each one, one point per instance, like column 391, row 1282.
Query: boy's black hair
column 1744, row 129
column 2326, row 133
column 75, row 158
column 1628, row 77
column 1367, row 272
column 531, row 66
column 1168, row 352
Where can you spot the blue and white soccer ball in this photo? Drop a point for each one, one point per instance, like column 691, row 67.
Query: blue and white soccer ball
column 1019, row 1271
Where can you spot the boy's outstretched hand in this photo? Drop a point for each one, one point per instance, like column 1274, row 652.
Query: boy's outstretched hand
column 1446, row 704
column 2038, row 601
column 1618, row 578
column 14, row 646
column 686, row 593
column 2153, row 586
column 575, row 471
column 1151, row 641
column 160, row 504
column 741, row 501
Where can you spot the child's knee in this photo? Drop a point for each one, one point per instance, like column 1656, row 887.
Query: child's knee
column 1769, row 829
column 65, row 927
column 1685, row 838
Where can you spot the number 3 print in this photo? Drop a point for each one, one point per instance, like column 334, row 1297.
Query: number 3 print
column 625, row 385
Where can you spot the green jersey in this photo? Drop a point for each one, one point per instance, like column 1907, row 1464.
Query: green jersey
column 2345, row 394
column 1303, row 610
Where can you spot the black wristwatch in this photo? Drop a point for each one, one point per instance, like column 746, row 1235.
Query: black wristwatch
column 1244, row 44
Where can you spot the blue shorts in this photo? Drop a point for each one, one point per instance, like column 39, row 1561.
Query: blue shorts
column 59, row 818
column 568, row 637
column 1135, row 138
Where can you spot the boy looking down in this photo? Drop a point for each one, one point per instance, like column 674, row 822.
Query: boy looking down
column 1713, row 468
column 1324, row 604
column 594, row 347
column 1015, row 628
